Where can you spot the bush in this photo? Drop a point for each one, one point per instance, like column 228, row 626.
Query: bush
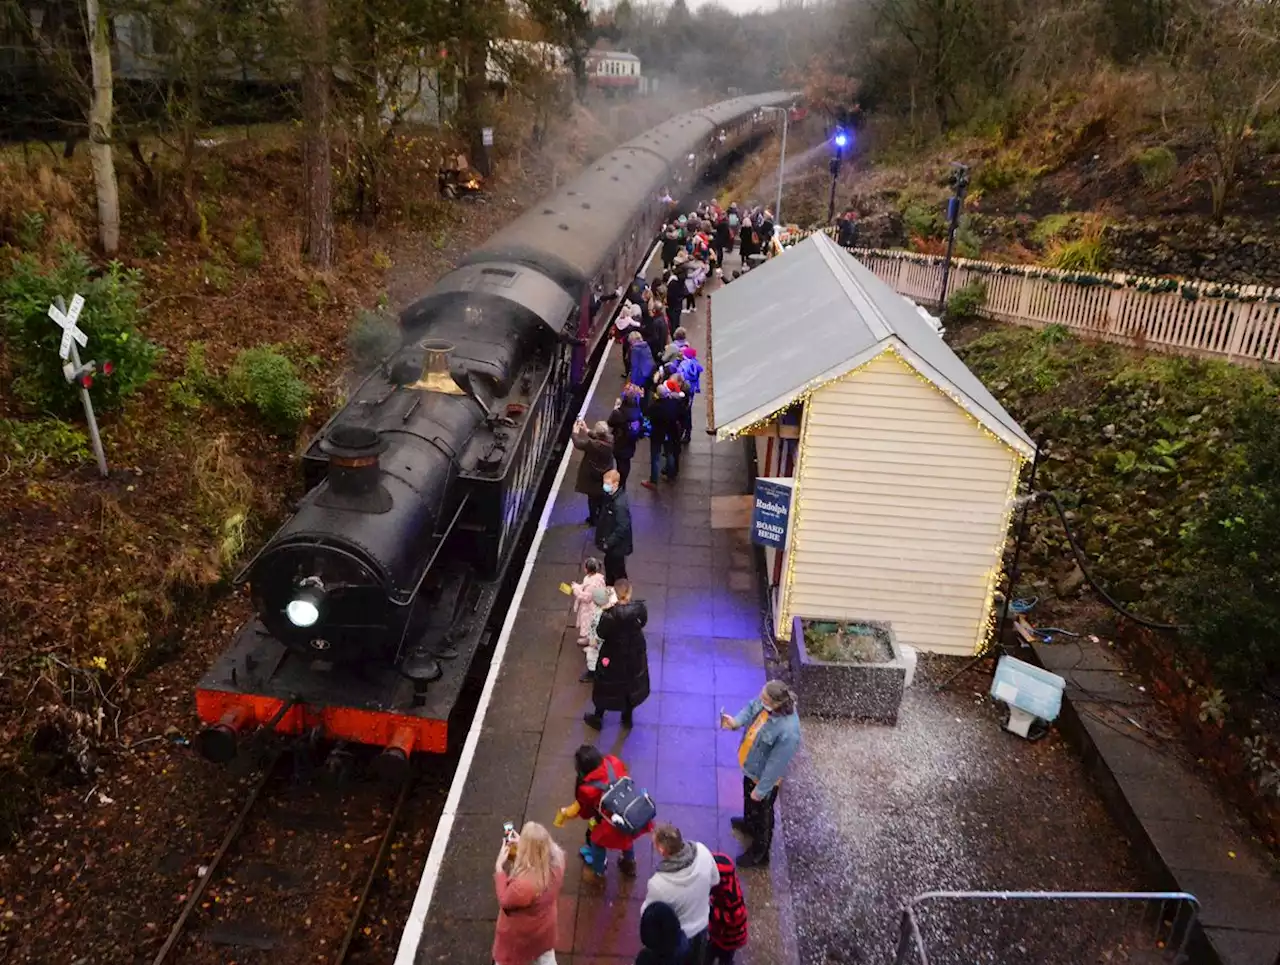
column 1004, row 172
column 214, row 274
column 110, row 318
column 189, row 390
column 968, row 242
column 1231, row 594
column 247, row 244
column 267, row 381
column 922, row 219
column 1052, row 227
column 965, row 302
column 373, row 336
column 43, row 443
column 1269, row 136
column 1157, row 165
column 149, row 244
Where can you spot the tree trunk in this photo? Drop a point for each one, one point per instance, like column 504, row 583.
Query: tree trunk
column 317, row 245
column 100, row 109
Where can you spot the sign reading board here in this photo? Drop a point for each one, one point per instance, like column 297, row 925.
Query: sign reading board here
column 771, row 512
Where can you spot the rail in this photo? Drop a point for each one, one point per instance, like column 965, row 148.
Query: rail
column 236, row 832
column 973, row 927
column 1235, row 323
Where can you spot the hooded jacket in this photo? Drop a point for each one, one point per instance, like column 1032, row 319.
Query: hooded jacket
column 626, row 422
column 642, row 364
column 684, row 881
column 664, row 942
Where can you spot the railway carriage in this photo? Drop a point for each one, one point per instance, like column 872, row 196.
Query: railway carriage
column 374, row 598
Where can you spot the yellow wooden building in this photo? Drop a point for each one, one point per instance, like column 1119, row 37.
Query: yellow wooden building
column 903, row 466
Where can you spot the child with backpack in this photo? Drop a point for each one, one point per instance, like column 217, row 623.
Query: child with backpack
column 727, row 927
column 617, row 811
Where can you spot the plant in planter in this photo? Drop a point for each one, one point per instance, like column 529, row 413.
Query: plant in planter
column 850, row 668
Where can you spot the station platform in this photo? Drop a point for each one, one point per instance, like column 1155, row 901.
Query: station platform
column 705, row 653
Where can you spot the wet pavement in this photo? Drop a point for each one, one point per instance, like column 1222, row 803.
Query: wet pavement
column 874, row 815
column 704, row 654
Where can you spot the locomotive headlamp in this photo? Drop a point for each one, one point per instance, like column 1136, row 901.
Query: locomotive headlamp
column 304, row 609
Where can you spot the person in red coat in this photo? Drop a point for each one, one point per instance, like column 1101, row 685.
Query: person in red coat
column 602, row 836
column 727, row 928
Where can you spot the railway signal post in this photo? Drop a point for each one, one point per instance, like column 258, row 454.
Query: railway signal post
column 82, row 375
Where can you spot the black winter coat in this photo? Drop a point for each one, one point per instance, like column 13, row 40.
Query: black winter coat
column 622, row 672
column 723, row 238
column 613, row 525
column 625, row 421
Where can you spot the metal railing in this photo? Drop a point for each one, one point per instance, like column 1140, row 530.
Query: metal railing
column 1039, row 927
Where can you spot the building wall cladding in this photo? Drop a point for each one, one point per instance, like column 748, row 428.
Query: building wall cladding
column 901, row 509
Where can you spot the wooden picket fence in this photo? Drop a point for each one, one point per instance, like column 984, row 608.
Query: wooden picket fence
column 1237, row 323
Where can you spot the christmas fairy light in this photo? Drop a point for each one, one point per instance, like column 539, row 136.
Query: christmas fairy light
column 994, row 573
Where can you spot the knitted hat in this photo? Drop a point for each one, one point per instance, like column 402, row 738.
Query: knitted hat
column 673, row 385
column 690, row 352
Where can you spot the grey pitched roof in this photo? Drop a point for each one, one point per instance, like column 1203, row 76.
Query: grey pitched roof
column 812, row 314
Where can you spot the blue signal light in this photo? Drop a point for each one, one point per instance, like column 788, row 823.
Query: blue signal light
column 842, row 139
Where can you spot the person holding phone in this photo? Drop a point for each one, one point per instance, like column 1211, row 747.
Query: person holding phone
column 527, row 896
column 596, row 444
column 771, row 740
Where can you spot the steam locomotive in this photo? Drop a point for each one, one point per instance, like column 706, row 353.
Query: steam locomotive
column 372, row 600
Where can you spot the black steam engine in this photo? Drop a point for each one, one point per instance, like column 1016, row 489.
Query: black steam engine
column 372, row 600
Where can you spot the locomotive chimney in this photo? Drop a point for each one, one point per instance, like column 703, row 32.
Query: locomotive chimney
column 353, row 460
column 435, row 369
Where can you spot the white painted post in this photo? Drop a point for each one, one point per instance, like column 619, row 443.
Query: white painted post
column 71, row 336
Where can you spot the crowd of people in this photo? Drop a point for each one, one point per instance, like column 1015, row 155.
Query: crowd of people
column 694, row 912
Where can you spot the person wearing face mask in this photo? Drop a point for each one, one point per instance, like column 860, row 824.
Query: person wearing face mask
column 771, row 740
column 613, row 528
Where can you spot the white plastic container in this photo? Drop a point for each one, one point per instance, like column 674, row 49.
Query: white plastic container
column 909, row 656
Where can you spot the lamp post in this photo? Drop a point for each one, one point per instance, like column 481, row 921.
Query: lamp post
column 840, row 141
column 959, row 184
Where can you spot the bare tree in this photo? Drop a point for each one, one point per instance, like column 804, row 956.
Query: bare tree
column 1228, row 55
column 317, row 162
column 101, row 155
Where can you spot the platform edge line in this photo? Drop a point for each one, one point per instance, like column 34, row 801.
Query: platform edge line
column 411, row 937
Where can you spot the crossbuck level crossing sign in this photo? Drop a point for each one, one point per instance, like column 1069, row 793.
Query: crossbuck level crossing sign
column 67, row 322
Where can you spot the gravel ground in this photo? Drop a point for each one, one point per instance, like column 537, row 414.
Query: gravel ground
column 947, row 799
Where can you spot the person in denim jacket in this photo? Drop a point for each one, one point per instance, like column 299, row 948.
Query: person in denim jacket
column 772, row 738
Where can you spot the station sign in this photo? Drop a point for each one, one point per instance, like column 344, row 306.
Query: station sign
column 771, row 512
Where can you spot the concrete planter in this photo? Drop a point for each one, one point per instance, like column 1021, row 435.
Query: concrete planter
column 864, row 690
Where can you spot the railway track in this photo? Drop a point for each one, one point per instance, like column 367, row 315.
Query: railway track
column 292, row 878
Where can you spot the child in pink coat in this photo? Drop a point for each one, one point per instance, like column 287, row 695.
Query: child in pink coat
column 583, row 605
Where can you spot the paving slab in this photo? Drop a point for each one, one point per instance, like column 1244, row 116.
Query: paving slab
column 705, row 653
column 1183, row 828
